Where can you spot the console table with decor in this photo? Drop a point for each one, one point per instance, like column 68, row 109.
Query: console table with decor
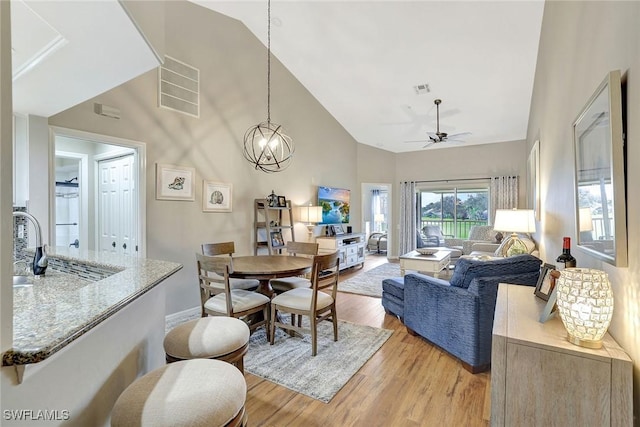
column 540, row 378
column 350, row 247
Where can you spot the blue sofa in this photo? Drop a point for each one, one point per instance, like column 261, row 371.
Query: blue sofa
column 457, row 315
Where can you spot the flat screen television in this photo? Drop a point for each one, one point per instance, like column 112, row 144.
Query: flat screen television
column 335, row 205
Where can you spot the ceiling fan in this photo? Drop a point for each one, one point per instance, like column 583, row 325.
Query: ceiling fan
column 440, row 136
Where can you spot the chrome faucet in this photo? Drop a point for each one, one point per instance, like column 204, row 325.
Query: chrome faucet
column 40, row 260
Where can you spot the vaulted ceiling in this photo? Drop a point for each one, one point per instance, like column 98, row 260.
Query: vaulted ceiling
column 376, row 66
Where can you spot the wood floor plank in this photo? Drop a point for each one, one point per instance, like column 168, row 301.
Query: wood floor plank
column 408, row 382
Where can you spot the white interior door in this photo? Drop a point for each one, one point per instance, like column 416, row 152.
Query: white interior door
column 116, row 206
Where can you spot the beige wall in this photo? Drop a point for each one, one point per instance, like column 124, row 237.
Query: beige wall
column 232, row 65
column 580, row 43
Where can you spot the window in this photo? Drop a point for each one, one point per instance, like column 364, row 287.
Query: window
column 454, row 209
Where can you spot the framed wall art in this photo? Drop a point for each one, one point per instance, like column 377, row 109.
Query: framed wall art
column 175, row 182
column 216, row 196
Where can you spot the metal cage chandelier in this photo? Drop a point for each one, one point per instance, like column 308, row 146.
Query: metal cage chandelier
column 266, row 146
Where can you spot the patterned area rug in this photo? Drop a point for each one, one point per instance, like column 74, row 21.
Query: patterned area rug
column 370, row 282
column 288, row 362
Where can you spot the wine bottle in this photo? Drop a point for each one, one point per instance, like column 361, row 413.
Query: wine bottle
column 565, row 259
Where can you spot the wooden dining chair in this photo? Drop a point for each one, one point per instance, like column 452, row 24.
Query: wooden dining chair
column 238, row 303
column 284, row 284
column 317, row 302
column 227, row 248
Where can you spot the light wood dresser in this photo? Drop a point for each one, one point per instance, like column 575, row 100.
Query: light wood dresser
column 538, row 378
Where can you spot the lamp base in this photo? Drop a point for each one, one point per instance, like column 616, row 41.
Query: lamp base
column 584, row 343
column 515, row 246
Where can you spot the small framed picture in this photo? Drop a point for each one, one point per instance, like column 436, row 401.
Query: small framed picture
column 175, row 182
column 282, row 202
column 216, row 196
column 337, row 230
column 276, row 239
column 546, row 282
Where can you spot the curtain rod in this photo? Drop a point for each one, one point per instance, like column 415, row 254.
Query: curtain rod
column 458, row 180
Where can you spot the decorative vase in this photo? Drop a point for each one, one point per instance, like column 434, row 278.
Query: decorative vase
column 272, row 199
column 585, row 305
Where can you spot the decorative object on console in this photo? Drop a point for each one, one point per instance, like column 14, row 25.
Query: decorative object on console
column 565, row 259
column 585, row 305
column 516, row 221
column 266, row 146
column 546, row 282
column 310, row 215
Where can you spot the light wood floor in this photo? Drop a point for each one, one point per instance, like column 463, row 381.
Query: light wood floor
column 408, row 382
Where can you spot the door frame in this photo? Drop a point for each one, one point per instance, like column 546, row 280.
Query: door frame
column 140, row 156
column 365, row 188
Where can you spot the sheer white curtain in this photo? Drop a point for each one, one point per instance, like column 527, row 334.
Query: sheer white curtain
column 504, row 194
column 375, row 210
column 408, row 216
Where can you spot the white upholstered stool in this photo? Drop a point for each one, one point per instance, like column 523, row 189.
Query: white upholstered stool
column 213, row 337
column 198, row 392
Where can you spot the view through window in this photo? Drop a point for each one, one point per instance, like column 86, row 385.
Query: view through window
column 455, row 210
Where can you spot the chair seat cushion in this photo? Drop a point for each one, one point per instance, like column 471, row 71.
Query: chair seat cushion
column 240, row 299
column 286, row 283
column 300, row 299
column 198, row 392
column 206, row 337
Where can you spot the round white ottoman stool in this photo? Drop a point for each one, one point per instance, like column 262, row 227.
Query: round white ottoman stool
column 198, row 392
column 214, row 337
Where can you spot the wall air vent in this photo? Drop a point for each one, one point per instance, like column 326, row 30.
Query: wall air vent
column 179, row 87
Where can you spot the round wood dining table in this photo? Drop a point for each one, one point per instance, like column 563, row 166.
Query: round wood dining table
column 267, row 267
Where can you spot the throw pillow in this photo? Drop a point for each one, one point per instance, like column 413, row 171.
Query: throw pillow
column 506, row 249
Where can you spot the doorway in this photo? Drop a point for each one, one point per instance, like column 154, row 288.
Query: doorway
column 376, row 211
column 111, row 192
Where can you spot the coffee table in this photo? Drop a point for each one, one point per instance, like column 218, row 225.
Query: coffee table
column 425, row 263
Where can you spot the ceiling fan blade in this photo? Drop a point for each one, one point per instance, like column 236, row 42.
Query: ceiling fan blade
column 428, row 144
column 457, row 135
column 418, row 140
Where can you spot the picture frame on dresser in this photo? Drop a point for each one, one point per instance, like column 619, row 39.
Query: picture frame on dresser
column 337, row 230
column 546, row 282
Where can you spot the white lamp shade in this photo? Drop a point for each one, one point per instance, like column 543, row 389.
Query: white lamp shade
column 515, row 220
column 585, row 305
column 585, row 220
column 310, row 214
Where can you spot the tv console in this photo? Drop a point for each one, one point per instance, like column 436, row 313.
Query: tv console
column 349, row 246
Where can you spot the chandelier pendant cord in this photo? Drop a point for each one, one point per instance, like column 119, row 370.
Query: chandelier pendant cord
column 269, row 61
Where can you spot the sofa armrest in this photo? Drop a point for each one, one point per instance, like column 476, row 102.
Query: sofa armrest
column 484, row 247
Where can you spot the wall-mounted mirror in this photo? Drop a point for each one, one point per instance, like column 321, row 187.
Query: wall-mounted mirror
column 600, row 176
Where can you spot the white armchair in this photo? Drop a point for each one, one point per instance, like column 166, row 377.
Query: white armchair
column 477, row 234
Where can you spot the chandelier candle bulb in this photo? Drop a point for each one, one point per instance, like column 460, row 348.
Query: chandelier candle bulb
column 585, row 305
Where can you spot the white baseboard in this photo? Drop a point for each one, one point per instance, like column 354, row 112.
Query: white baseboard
column 182, row 316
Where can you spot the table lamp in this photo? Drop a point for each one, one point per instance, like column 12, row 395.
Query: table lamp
column 310, row 215
column 515, row 221
column 585, row 305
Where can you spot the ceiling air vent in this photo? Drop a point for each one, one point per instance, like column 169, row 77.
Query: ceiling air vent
column 179, row 87
column 422, row 89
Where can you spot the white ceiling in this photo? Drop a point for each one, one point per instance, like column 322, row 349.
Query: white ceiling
column 65, row 52
column 362, row 59
column 359, row 59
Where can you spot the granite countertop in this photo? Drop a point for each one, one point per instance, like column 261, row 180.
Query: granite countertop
column 62, row 306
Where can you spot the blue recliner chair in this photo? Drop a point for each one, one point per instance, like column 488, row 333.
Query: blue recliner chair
column 457, row 315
